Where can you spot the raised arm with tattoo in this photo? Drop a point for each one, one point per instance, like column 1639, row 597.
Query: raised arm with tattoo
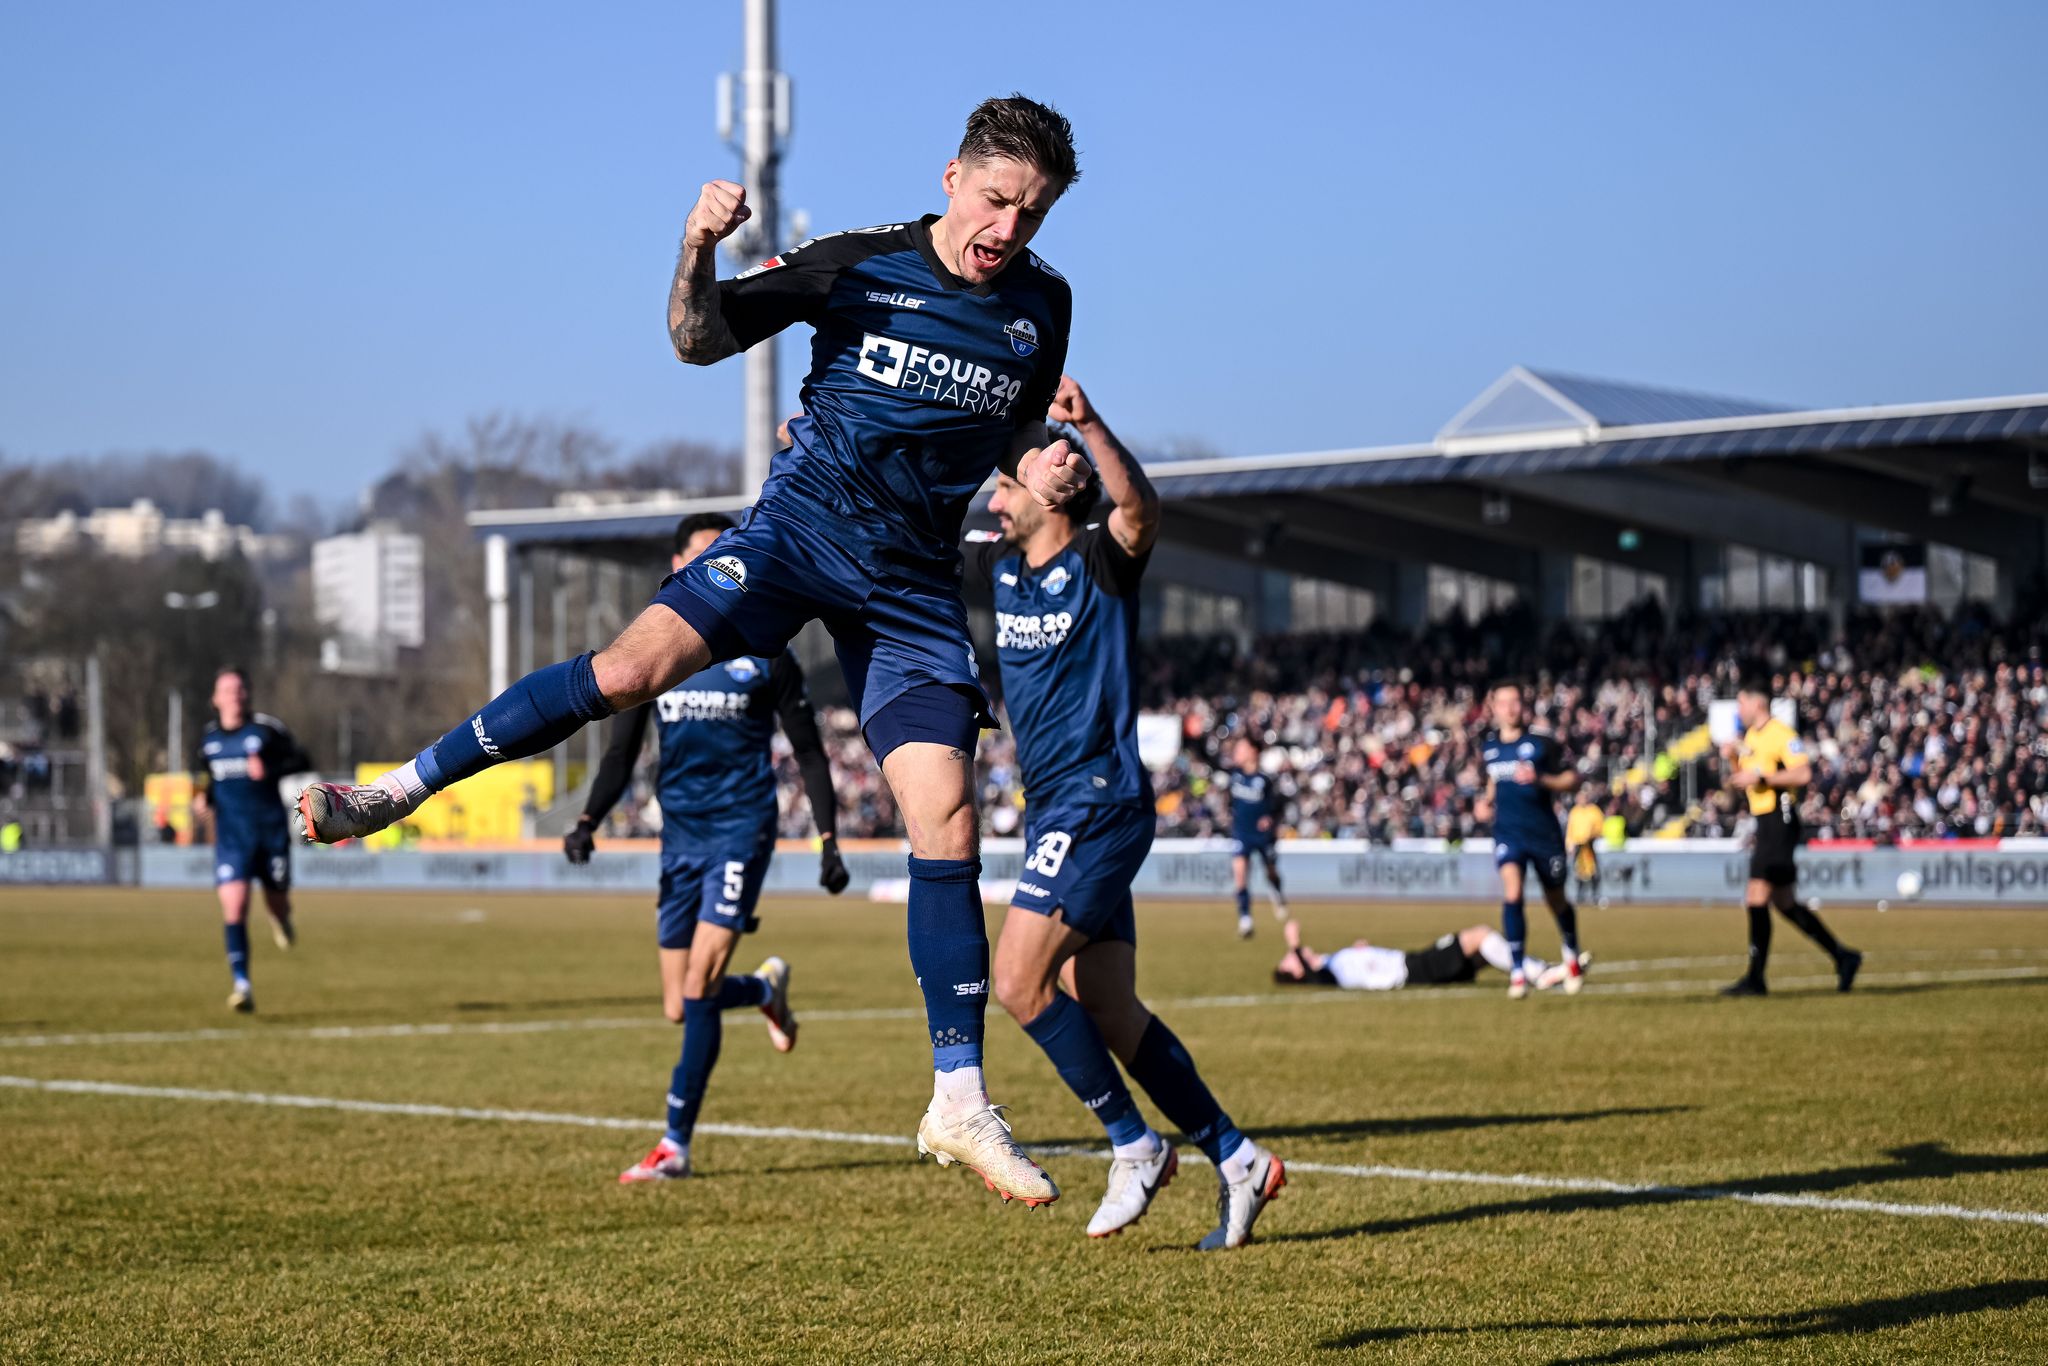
column 1135, row 522
column 696, row 322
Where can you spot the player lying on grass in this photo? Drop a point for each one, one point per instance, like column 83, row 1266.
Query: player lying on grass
column 1066, row 599
column 715, row 780
column 1525, row 775
column 938, row 345
column 1254, row 831
column 241, row 757
column 1366, row 966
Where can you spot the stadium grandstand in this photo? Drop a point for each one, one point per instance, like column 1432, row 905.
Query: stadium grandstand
column 1627, row 548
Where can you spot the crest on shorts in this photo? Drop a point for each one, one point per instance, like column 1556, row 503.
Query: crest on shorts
column 728, row 573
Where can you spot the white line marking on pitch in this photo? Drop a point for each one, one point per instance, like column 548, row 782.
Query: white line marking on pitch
column 1290, row 996
column 1431, row 1175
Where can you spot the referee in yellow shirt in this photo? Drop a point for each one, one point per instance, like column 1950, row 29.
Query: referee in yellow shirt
column 1770, row 768
column 1582, row 828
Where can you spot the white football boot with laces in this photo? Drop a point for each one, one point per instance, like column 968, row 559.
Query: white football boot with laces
column 781, row 1019
column 664, row 1162
column 980, row 1141
column 330, row 812
column 1133, row 1181
column 1238, row 1202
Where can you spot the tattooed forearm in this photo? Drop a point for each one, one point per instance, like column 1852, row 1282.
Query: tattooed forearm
column 695, row 324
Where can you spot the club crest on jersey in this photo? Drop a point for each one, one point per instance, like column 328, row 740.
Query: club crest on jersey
column 728, row 573
column 1056, row 582
column 1023, row 336
column 742, row 669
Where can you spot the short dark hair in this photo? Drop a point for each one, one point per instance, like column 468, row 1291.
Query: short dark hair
column 700, row 521
column 1500, row 683
column 1024, row 130
column 237, row 670
column 1756, row 681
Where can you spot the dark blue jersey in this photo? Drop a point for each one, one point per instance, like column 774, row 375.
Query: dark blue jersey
column 918, row 382
column 1067, row 639
column 1524, row 814
column 715, row 775
column 1253, row 796
column 242, row 768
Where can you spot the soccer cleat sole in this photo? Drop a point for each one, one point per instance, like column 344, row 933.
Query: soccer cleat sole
column 948, row 1160
column 1165, row 1180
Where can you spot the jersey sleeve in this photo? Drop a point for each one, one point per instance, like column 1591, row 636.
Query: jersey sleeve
column 1550, row 755
column 629, row 728
column 807, row 745
column 282, row 750
column 1045, row 380
column 979, row 553
column 788, row 288
column 1109, row 564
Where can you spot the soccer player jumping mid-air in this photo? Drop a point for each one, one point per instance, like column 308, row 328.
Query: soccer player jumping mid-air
column 715, row 780
column 241, row 757
column 1525, row 775
column 937, row 349
column 1254, row 829
column 1066, row 599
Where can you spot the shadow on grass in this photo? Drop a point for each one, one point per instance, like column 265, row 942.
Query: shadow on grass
column 564, row 1003
column 1410, row 1124
column 1841, row 1320
column 1914, row 1162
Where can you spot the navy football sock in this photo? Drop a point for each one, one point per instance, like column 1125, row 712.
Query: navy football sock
column 1244, row 900
column 949, row 954
column 532, row 716
column 736, row 991
column 1162, row 1066
column 1514, row 927
column 1567, row 927
column 703, row 1032
column 1082, row 1059
column 238, row 950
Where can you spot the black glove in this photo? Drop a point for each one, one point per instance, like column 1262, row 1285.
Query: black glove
column 832, row 874
column 578, row 843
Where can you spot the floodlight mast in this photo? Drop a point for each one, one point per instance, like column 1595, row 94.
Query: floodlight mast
column 763, row 127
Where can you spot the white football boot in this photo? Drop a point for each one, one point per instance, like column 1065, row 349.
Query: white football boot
column 980, row 1141
column 330, row 813
column 1132, row 1184
column 1238, row 1202
column 781, row 1019
column 1518, row 985
column 664, row 1162
column 242, row 1000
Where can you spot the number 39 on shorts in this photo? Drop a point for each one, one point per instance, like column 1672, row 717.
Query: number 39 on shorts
column 1051, row 852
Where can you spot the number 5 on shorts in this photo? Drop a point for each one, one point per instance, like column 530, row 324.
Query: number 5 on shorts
column 735, row 881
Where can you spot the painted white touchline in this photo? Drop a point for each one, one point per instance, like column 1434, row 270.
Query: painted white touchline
column 1432, row 1175
column 1289, row 996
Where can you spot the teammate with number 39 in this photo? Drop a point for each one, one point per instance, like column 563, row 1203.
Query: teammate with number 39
column 1066, row 599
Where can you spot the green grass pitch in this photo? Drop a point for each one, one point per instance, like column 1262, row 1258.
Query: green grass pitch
column 167, row 1217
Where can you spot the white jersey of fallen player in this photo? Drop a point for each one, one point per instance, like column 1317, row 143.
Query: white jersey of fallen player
column 1368, row 969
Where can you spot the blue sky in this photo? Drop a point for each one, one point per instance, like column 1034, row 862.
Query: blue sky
column 299, row 236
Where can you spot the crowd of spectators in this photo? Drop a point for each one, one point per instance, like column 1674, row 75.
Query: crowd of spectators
column 1919, row 726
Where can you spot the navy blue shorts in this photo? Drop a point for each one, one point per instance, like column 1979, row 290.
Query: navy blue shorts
column 721, row 889
column 264, row 857
column 1080, row 861
column 757, row 585
column 1549, row 861
column 1263, row 844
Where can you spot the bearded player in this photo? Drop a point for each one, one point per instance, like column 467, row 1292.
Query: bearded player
column 1066, row 597
column 937, row 348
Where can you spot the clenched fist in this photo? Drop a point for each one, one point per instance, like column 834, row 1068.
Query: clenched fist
column 1054, row 474
column 1070, row 404
column 721, row 208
